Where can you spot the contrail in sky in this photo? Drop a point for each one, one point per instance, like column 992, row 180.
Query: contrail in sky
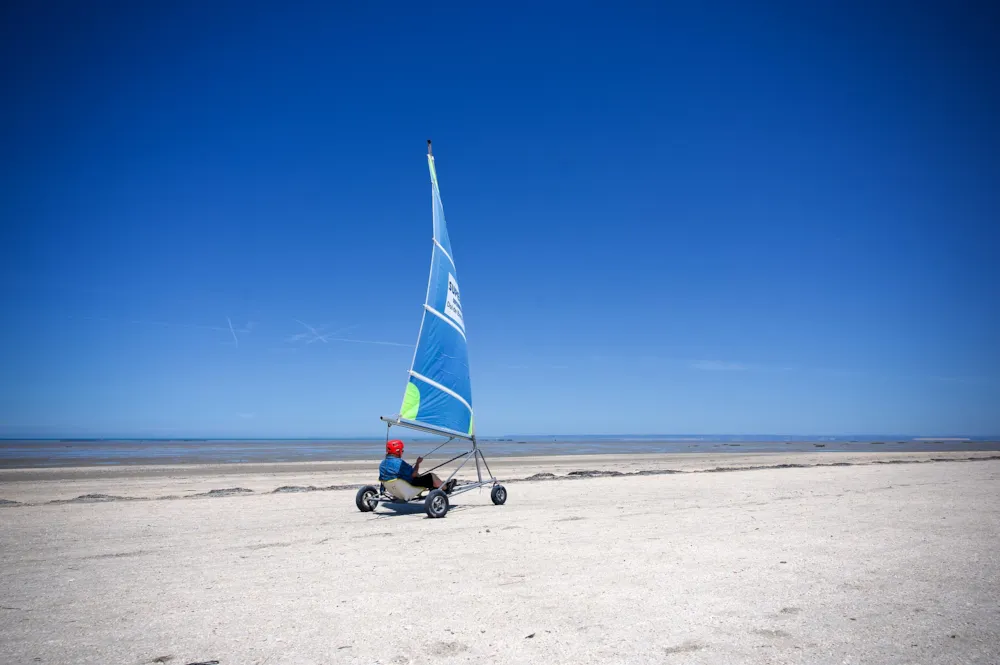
column 317, row 337
column 330, row 337
column 369, row 341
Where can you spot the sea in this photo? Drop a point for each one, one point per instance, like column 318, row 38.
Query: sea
column 42, row 453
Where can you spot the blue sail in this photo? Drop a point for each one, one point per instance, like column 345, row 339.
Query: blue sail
column 439, row 391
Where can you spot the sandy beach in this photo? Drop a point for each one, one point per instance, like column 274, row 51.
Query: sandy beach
column 801, row 558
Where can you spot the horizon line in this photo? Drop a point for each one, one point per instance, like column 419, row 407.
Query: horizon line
column 494, row 437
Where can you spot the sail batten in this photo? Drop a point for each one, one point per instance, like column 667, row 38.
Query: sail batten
column 439, row 392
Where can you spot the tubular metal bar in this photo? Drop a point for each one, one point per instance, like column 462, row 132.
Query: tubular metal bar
column 454, row 492
column 484, row 463
column 439, row 448
column 476, row 453
column 467, row 455
column 448, row 462
column 390, row 421
column 396, row 420
column 386, row 498
column 472, row 486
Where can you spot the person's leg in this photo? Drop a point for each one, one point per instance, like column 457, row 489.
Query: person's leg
column 431, row 481
column 427, row 480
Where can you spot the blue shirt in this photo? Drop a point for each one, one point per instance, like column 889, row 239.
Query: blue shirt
column 394, row 467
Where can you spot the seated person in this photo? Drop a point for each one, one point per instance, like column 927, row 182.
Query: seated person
column 393, row 467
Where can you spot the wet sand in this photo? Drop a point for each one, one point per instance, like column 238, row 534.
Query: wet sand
column 19, row 454
column 887, row 558
column 33, row 486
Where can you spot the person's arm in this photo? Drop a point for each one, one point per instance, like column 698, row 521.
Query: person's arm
column 416, row 467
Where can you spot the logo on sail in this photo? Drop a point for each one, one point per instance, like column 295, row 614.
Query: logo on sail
column 453, row 303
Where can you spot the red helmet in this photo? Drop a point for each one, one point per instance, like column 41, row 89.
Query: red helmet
column 394, row 447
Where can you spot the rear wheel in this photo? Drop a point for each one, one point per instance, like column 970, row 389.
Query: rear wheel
column 436, row 504
column 365, row 499
column 499, row 495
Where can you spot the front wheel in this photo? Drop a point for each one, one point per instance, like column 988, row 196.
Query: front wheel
column 499, row 495
column 436, row 504
column 365, row 499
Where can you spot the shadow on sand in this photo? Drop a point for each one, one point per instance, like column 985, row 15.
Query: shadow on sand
column 413, row 508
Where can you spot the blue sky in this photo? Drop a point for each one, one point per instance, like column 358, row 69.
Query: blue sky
column 690, row 217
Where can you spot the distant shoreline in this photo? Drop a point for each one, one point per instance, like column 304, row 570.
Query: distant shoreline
column 512, row 438
column 126, row 453
column 101, row 484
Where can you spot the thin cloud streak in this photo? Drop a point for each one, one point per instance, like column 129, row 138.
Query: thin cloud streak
column 734, row 366
column 314, row 334
column 369, row 341
column 167, row 324
column 235, row 338
column 74, row 427
column 970, row 380
column 719, row 366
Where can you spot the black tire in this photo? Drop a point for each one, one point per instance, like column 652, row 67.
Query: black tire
column 499, row 495
column 436, row 504
column 365, row 499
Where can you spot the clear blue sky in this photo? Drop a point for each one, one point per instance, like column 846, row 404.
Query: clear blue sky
column 667, row 217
